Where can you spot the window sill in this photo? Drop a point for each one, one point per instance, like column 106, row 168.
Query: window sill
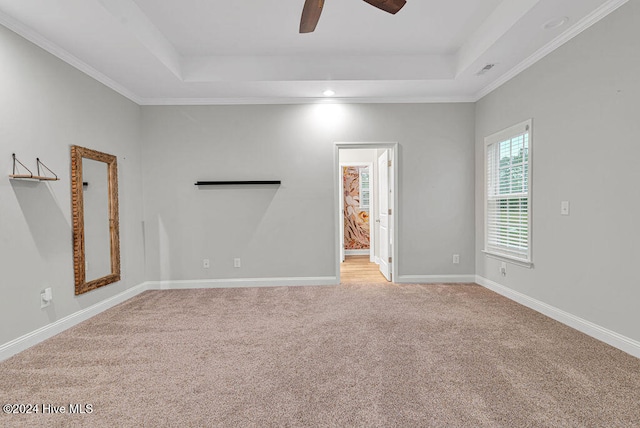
column 516, row 261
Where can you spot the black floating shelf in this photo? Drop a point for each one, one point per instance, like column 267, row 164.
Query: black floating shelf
column 227, row 183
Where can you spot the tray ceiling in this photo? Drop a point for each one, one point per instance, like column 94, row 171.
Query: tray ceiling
column 250, row 51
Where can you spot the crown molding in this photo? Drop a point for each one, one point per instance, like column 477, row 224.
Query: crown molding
column 55, row 50
column 302, row 100
column 563, row 38
column 42, row 42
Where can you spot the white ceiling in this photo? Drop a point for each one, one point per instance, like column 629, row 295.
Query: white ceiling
column 250, row 51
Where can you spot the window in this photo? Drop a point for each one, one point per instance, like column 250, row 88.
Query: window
column 508, row 193
column 364, row 188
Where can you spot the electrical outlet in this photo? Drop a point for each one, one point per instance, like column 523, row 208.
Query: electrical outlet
column 456, row 259
column 503, row 269
column 236, row 263
column 206, row 263
column 46, row 297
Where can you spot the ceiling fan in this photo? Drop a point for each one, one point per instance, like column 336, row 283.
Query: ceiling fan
column 313, row 8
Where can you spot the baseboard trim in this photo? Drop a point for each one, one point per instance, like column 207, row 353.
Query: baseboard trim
column 432, row 279
column 28, row 340
column 357, row 252
column 605, row 335
column 242, row 283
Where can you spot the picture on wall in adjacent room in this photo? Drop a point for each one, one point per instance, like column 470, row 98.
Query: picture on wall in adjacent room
column 356, row 207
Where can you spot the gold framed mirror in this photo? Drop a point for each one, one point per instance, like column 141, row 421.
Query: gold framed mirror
column 94, row 206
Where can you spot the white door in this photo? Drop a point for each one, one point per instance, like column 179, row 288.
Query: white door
column 341, row 202
column 383, row 212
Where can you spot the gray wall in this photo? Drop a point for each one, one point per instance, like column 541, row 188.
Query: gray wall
column 583, row 99
column 45, row 107
column 288, row 231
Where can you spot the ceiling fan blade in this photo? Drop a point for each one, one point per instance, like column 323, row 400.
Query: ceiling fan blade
column 310, row 15
column 391, row 6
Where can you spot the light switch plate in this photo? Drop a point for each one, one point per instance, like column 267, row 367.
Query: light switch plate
column 564, row 208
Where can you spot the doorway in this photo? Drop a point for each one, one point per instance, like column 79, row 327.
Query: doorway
column 358, row 203
column 370, row 252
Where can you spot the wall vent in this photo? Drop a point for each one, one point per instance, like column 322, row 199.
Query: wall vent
column 485, row 69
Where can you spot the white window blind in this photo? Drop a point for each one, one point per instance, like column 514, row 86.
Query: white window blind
column 508, row 193
column 365, row 193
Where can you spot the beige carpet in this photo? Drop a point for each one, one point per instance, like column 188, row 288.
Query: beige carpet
column 357, row 355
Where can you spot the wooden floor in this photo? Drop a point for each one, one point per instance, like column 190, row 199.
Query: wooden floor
column 359, row 269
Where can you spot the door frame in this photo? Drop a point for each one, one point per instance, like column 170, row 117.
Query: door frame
column 394, row 153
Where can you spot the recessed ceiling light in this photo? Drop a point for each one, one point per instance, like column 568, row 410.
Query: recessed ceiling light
column 556, row 23
column 328, row 93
